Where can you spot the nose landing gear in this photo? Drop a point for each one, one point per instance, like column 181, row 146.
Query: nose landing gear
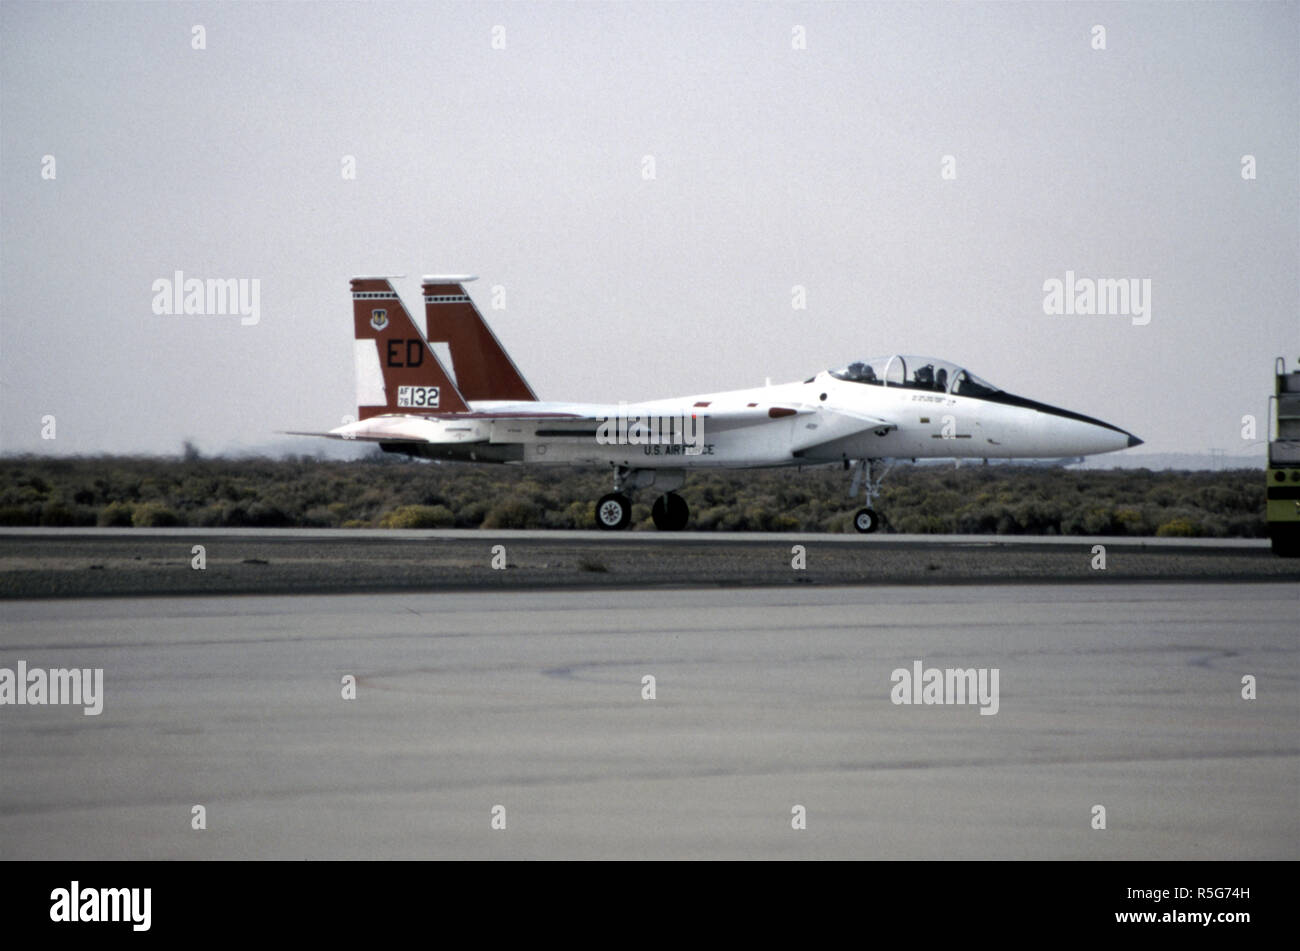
column 869, row 475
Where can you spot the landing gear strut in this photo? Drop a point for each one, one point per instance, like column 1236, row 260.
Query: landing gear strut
column 870, row 473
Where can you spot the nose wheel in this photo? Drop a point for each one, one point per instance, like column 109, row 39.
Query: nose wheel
column 866, row 521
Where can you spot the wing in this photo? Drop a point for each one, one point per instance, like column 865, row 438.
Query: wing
column 813, row 425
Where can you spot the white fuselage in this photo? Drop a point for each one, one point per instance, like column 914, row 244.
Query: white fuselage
column 825, row 419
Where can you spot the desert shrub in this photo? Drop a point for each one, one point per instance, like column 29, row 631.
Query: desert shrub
column 472, row 513
column 418, row 516
column 115, row 514
column 56, row 514
column 19, row 515
column 209, row 516
column 318, row 493
column 580, row 514
column 319, row 517
column 909, row 523
column 513, row 512
column 267, row 515
column 153, row 515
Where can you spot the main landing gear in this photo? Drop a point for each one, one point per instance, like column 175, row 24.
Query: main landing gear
column 870, row 473
column 670, row 511
column 613, row 512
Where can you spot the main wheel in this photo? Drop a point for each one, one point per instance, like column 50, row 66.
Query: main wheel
column 866, row 520
column 613, row 512
column 670, row 512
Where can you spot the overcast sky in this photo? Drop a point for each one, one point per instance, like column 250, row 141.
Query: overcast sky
column 773, row 166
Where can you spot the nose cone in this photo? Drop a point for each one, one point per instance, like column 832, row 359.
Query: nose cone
column 1098, row 437
column 1046, row 431
column 1073, row 434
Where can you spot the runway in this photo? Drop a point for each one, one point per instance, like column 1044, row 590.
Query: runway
column 681, row 539
column 1121, row 696
column 134, row 562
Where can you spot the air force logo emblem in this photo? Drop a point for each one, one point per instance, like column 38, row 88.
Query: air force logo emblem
column 379, row 319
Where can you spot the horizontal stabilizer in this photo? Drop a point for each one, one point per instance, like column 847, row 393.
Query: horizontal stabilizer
column 357, row 437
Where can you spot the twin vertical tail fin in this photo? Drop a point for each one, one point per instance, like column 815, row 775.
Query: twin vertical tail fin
column 397, row 370
column 482, row 367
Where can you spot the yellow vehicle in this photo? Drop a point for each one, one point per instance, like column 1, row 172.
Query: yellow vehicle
column 1284, row 463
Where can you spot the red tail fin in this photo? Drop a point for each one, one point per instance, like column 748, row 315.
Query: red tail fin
column 397, row 371
column 483, row 369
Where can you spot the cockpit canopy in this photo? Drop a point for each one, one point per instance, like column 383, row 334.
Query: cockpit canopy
column 917, row 373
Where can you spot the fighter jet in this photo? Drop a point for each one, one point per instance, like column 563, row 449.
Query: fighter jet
column 864, row 416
